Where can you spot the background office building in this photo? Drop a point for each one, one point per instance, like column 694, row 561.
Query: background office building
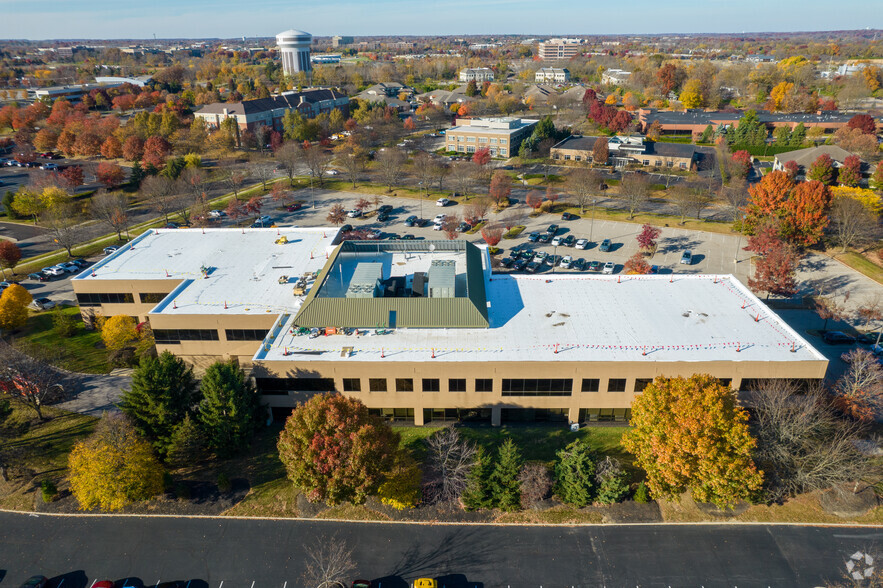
column 294, row 48
column 502, row 136
column 477, row 74
column 555, row 49
column 424, row 331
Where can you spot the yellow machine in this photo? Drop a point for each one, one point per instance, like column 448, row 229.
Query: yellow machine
column 425, row 583
column 281, row 240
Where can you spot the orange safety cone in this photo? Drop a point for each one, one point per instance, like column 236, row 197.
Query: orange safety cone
column 225, row 305
column 311, row 255
column 743, row 305
column 757, row 318
column 433, row 354
column 617, row 280
column 174, row 304
column 793, row 349
column 738, row 347
column 645, row 351
column 556, row 348
column 381, row 353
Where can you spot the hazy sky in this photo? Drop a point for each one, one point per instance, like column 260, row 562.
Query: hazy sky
column 103, row 19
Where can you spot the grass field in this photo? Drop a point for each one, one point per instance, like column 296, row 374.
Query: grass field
column 862, row 264
column 79, row 352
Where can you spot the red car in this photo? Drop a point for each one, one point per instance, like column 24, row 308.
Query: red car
column 293, row 207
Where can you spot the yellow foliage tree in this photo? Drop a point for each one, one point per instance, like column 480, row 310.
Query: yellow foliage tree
column 691, row 95
column 114, row 467
column 872, row 75
column 611, row 100
column 791, row 65
column 28, row 203
column 869, row 199
column 14, row 307
column 401, row 488
column 780, row 93
column 118, row 332
column 53, row 196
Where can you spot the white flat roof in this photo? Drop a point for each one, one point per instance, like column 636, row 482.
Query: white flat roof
column 244, row 267
column 681, row 318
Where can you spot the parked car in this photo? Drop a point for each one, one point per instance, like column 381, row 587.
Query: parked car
column 411, row 221
column 569, row 216
column 69, row 267
column 552, row 229
column 578, row 265
column 532, row 267
column 605, row 245
column 442, row 202
column 109, row 250
column 687, row 257
column 346, row 228
column 172, row 226
column 568, row 241
column 556, row 241
column 49, row 166
column 332, row 172
column 519, row 265
column 463, row 226
column 35, row 582
column 553, row 260
column 354, row 213
column 80, row 262
column 383, row 217
column 439, row 218
column 545, row 238
column 294, row 207
column 408, row 237
column 41, row 304
column 507, row 262
column 217, row 214
column 837, row 338
column 567, row 262
column 39, row 277
column 532, row 238
column 437, row 226
column 609, row 267
column 540, row 256
column 582, row 244
column 53, row 271
column 385, row 208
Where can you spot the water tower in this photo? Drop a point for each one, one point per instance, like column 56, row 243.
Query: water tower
column 294, row 46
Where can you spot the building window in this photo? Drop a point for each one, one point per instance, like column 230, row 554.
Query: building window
column 484, row 385
column 457, row 385
column 377, row 384
column 470, row 139
column 493, row 141
column 352, row 385
column 245, row 334
column 641, row 383
column 482, row 139
column 566, row 157
column 502, row 152
column 616, row 385
column 84, row 299
column 174, row 336
column 393, row 414
column 537, row 387
column 658, row 163
column 646, row 162
column 152, row 297
column 470, row 149
column 683, row 166
column 728, row 382
column 502, row 141
column 404, row 385
column 591, row 385
column 431, row 385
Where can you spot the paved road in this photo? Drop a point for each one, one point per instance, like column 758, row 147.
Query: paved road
column 224, row 553
column 98, row 393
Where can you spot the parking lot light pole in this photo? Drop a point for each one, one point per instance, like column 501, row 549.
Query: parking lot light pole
column 420, row 195
column 738, row 241
column 592, row 226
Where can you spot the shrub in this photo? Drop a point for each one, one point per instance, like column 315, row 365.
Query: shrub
column 611, row 480
column 224, row 483
column 575, row 473
column 642, row 495
column 48, row 490
column 503, row 482
column 64, row 324
column 477, row 494
column 401, row 488
column 536, row 483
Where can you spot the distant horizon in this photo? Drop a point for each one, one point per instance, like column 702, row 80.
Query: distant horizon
column 54, row 20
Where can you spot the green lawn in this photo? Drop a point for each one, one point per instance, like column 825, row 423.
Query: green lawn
column 78, row 353
column 862, row 264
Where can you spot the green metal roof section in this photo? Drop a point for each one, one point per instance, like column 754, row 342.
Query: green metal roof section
column 468, row 311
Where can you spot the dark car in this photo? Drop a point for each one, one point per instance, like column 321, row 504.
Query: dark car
column 553, row 260
column 385, row 208
column 532, row 238
column 837, row 338
column 411, row 221
column 532, row 267
column 519, row 265
column 526, row 254
column 346, row 228
column 568, row 241
column 392, row 236
column 463, row 226
column 39, row 277
column 507, row 262
column 594, row 266
column 383, row 216
column 578, row 265
column 545, row 238
column 569, row 216
column 605, row 245
column 422, row 222
column 36, row 582
column 552, row 230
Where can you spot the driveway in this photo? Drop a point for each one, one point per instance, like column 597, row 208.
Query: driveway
column 96, row 394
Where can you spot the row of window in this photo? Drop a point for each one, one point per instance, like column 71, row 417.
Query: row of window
column 510, row 386
column 245, row 334
column 480, row 139
column 84, row 299
column 174, row 336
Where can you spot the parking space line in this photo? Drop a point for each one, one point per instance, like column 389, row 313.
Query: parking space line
column 93, row 582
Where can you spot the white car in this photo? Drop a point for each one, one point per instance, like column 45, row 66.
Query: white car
column 608, row 267
column 41, row 304
column 442, row 202
column 107, row 250
column 557, row 241
column 49, row 166
column 217, row 214
column 565, row 263
column 355, row 213
column 582, row 244
column 439, row 218
column 333, row 172
column 437, row 226
column 53, row 271
column 69, row 267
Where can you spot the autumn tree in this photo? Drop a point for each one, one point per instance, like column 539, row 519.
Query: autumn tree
column 492, row 233
column 450, row 458
column 333, row 450
column 156, row 149
column 647, row 237
column 163, row 392
column 14, row 307
column 637, row 264
column 634, row 191
column 863, row 122
column 792, row 169
column 767, row 199
column 822, row 170
column 110, row 174
column 114, row 467
column 740, row 164
column 583, row 184
column 451, row 227
column 689, row 434
column 118, row 332
column 534, row 199
column 859, row 391
column 691, row 94
column 133, row 148
column 28, row 378
column 229, row 413
column 600, row 151
column 10, row 255
column 111, row 148
column 774, row 270
column 72, row 176
column 64, row 222
column 806, row 213
column 850, row 174
column 854, row 221
column 500, row 188
column 337, row 215
column 830, row 306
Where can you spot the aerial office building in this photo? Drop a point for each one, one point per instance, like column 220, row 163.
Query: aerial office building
column 425, row 331
column 294, row 47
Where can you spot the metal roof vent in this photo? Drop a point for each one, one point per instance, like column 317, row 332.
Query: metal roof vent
column 442, row 278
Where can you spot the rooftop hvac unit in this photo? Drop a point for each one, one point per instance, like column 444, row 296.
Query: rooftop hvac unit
column 366, row 280
column 442, row 278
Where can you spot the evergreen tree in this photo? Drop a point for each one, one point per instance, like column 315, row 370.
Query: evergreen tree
column 706, row 135
column 798, row 135
column 504, row 485
column 477, row 494
column 611, row 480
column 228, row 412
column 783, row 136
column 471, row 88
column 187, row 443
column 137, row 174
column 163, row 393
column 575, row 473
